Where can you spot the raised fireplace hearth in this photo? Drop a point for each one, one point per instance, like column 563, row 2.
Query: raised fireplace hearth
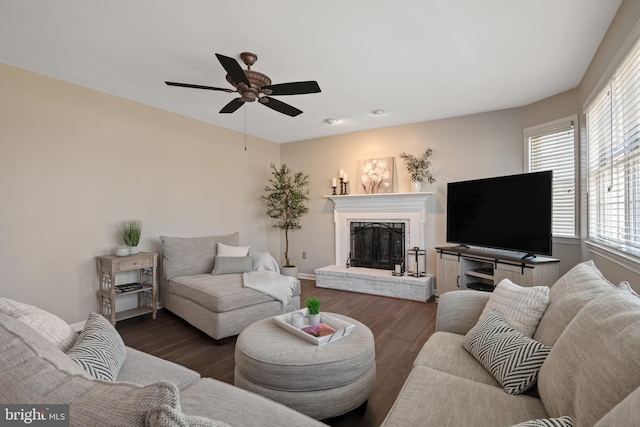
column 407, row 211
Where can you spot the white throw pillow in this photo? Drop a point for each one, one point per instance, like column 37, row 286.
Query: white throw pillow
column 522, row 307
column 47, row 324
column 227, row 250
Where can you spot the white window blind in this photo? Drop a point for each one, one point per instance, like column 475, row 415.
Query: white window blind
column 552, row 147
column 613, row 132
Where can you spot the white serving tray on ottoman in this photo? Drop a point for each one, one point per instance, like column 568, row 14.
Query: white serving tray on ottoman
column 342, row 327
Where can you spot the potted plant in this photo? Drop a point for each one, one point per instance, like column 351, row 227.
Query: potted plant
column 313, row 305
column 418, row 168
column 130, row 231
column 286, row 196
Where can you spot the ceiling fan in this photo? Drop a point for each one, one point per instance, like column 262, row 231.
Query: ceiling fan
column 252, row 85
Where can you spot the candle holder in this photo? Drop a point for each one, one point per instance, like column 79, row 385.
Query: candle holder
column 417, row 262
column 334, row 191
column 344, row 187
column 398, row 269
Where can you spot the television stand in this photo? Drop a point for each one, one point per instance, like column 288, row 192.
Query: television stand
column 470, row 268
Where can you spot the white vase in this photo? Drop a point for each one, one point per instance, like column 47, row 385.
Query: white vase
column 416, row 186
column 289, row 271
column 314, row 319
column 133, row 250
column 122, row 250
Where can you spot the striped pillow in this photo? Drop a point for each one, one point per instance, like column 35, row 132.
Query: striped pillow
column 513, row 359
column 99, row 349
column 521, row 306
column 548, row 422
column 47, row 324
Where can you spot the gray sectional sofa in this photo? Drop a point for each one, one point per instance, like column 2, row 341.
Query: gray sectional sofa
column 592, row 373
column 218, row 305
column 148, row 391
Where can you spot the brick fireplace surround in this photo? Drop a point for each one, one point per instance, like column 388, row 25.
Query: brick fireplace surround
column 409, row 208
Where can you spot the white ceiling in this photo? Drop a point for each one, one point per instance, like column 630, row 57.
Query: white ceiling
column 418, row 60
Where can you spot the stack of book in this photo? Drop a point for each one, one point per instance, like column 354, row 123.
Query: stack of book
column 128, row 287
column 319, row 330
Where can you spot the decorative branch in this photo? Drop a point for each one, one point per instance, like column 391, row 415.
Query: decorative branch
column 418, row 167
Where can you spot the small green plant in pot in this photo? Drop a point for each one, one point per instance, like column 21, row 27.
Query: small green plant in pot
column 130, row 231
column 313, row 305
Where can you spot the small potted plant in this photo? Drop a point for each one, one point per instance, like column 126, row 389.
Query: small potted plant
column 286, row 196
column 130, row 231
column 418, row 168
column 313, row 305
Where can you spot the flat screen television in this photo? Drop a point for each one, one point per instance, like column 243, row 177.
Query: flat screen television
column 508, row 212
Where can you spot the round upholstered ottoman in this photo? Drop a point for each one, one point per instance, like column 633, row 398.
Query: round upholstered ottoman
column 320, row 381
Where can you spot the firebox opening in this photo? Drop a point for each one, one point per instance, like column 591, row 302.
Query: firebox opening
column 377, row 244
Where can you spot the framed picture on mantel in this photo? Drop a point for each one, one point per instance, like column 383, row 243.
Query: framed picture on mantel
column 375, row 175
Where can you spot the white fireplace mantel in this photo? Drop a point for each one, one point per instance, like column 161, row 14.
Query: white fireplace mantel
column 379, row 202
column 410, row 208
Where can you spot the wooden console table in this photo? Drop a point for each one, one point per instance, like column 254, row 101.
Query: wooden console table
column 108, row 266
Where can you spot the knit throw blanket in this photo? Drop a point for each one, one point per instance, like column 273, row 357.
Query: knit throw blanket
column 272, row 284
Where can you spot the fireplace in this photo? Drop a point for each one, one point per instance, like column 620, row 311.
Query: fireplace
column 377, row 244
column 405, row 208
column 395, row 221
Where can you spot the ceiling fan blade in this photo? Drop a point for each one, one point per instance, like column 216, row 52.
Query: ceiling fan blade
column 280, row 106
column 197, row 86
column 232, row 106
column 295, row 88
column 233, row 69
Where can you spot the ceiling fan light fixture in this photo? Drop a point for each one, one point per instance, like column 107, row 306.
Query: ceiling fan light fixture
column 255, row 86
column 331, row 121
column 378, row 112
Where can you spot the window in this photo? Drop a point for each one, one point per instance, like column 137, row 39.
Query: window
column 552, row 146
column 613, row 139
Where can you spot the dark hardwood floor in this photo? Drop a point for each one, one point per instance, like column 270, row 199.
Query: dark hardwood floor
column 400, row 328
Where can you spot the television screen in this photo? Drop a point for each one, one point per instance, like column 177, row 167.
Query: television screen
column 509, row 212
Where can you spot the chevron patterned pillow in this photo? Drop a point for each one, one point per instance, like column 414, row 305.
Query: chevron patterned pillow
column 547, row 422
column 99, row 349
column 513, row 359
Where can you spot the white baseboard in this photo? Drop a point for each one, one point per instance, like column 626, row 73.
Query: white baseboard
column 307, row 276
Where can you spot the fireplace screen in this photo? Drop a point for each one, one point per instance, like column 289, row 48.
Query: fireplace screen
column 377, row 244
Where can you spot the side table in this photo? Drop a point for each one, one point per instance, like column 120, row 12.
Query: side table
column 146, row 263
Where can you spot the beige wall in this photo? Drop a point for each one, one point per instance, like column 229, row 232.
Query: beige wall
column 468, row 147
column 74, row 162
column 624, row 23
column 489, row 144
